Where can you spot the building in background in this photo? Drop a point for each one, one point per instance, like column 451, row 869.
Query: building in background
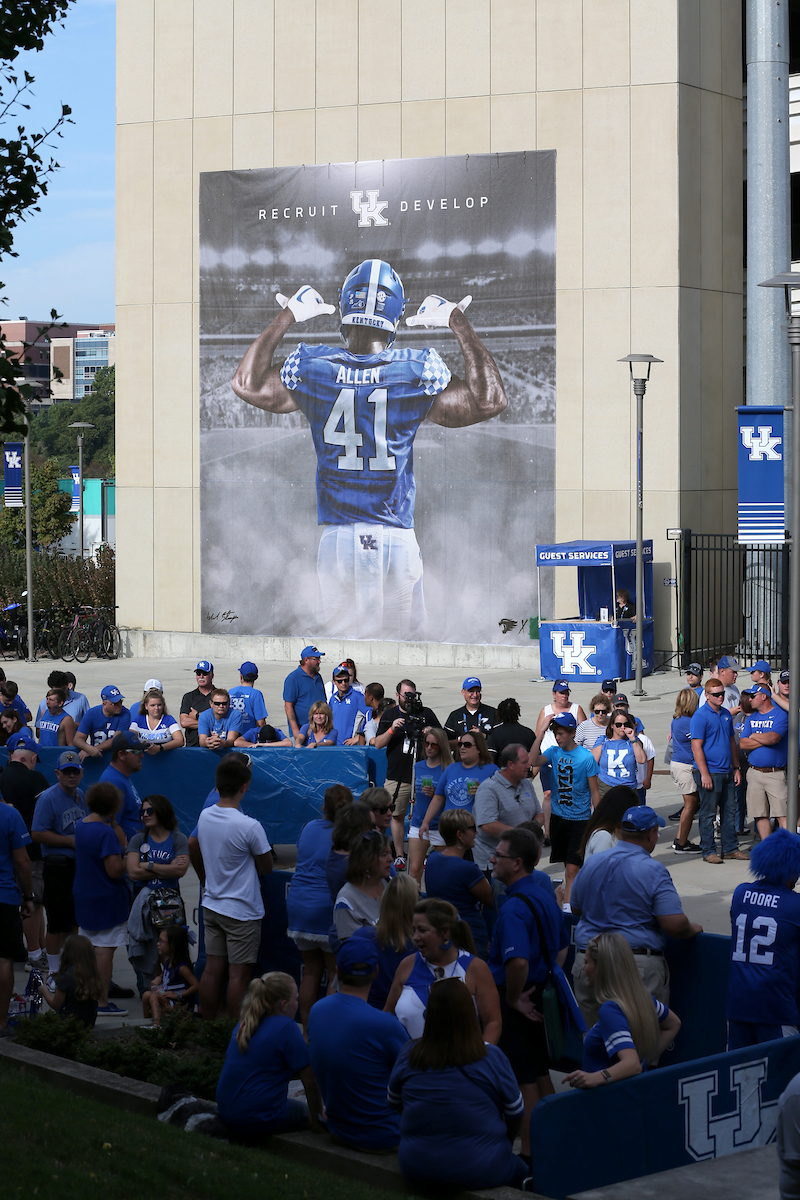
column 99, row 517
column 79, row 357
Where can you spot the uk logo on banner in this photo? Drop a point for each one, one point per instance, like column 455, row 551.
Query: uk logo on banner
column 762, row 516
column 574, row 656
column 12, row 475
column 76, row 489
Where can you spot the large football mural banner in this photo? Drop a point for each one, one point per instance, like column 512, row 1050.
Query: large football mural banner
column 377, row 397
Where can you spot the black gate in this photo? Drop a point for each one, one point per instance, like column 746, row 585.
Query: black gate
column 734, row 599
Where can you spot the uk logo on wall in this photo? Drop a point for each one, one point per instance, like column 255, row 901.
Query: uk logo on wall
column 751, row 1121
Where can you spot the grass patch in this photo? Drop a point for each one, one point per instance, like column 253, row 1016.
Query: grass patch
column 184, row 1050
column 63, row 1146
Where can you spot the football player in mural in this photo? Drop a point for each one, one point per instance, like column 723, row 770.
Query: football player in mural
column 365, row 402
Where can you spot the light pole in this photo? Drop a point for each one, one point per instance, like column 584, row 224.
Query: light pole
column 80, row 425
column 788, row 280
column 31, row 655
column 639, row 380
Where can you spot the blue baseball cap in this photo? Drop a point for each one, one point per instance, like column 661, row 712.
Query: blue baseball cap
column 642, row 818
column 695, row 669
column 69, row 761
column 21, row 741
column 311, row 652
column 783, row 677
column 111, row 692
column 760, row 666
column 248, row 668
column 358, row 956
column 471, row 681
column 727, row 663
column 204, row 667
column 566, row 720
column 608, row 685
column 561, row 685
column 755, row 689
column 127, row 739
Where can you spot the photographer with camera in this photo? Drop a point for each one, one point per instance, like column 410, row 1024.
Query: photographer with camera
column 400, row 733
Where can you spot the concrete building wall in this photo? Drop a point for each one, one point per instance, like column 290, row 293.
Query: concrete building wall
column 641, row 100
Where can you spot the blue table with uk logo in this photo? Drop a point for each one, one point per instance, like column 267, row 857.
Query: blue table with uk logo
column 598, row 643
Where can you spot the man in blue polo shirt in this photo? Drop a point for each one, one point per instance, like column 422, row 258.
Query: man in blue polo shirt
column 126, row 759
column 519, row 965
column 626, row 891
column 248, row 700
column 346, row 703
column 100, row 724
column 764, row 739
column 353, row 1048
column 302, row 687
column 716, row 773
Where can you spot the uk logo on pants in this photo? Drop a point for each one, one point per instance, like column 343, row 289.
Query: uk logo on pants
column 751, row 1122
column 574, row 656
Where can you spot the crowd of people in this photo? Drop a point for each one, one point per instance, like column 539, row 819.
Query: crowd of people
column 420, row 1001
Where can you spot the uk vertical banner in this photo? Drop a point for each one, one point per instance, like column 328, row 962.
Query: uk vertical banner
column 76, row 489
column 762, row 513
column 12, row 475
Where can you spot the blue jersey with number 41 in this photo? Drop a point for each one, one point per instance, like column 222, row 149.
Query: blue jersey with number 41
column 364, row 411
column 765, row 955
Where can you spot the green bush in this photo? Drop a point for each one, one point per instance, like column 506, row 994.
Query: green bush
column 184, row 1050
column 59, row 581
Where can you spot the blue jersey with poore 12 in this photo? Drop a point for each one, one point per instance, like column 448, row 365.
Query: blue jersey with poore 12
column 364, row 411
column 764, row 976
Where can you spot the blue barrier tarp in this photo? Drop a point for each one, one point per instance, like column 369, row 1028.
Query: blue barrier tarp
column 662, row 1119
column 287, row 789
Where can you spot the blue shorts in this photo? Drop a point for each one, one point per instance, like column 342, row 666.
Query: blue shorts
column 742, row 1034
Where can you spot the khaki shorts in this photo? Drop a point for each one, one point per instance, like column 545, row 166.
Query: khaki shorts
column 225, row 937
column 766, row 794
column 403, row 797
column 683, row 777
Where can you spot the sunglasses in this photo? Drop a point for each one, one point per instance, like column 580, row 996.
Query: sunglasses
column 511, row 857
column 219, row 703
column 431, row 742
column 467, row 744
column 384, row 808
column 601, row 712
column 716, row 694
column 147, row 812
column 621, row 725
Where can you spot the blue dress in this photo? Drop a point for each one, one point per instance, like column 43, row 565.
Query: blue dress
column 309, row 905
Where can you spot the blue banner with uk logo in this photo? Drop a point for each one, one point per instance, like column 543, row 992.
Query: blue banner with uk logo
column 76, row 489
column 12, row 475
column 583, row 651
column 762, row 516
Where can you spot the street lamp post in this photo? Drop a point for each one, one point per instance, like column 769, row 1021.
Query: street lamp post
column 81, row 425
column 31, row 655
column 639, row 380
column 789, row 280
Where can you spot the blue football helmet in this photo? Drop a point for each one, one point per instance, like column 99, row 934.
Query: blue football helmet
column 372, row 294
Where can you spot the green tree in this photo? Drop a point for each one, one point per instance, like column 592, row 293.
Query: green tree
column 51, row 519
column 52, row 437
column 24, row 163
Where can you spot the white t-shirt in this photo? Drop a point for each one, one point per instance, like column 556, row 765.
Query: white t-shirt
column 330, row 688
column 650, row 751
column 600, row 840
column 229, row 842
column 732, row 698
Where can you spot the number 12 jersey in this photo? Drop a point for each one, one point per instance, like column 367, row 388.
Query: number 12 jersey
column 364, row 412
column 765, row 955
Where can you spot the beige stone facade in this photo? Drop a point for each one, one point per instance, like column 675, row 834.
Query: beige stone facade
column 641, row 99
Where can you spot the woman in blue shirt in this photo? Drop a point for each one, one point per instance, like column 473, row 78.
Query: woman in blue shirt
column 318, row 730
column 265, row 1051
column 450, row 876
column 618, row 753
column 681, row 768
column 459, row 1102
column 309, row 905
column 460, row 781
column 633, row 1028
column 426, row 776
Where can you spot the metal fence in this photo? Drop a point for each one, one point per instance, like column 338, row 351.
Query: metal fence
column 734, row 599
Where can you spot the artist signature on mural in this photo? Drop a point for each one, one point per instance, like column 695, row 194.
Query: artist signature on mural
column 508, row 626
column 230, row 615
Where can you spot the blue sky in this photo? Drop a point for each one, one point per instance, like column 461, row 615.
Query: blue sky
column 66, row 252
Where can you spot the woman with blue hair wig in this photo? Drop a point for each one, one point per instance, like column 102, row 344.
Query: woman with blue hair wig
column 764, row 978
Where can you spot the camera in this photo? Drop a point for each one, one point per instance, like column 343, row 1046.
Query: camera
column 414, row 720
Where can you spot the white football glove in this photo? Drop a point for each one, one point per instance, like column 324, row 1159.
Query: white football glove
column 305, row 304
column 434, row 312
